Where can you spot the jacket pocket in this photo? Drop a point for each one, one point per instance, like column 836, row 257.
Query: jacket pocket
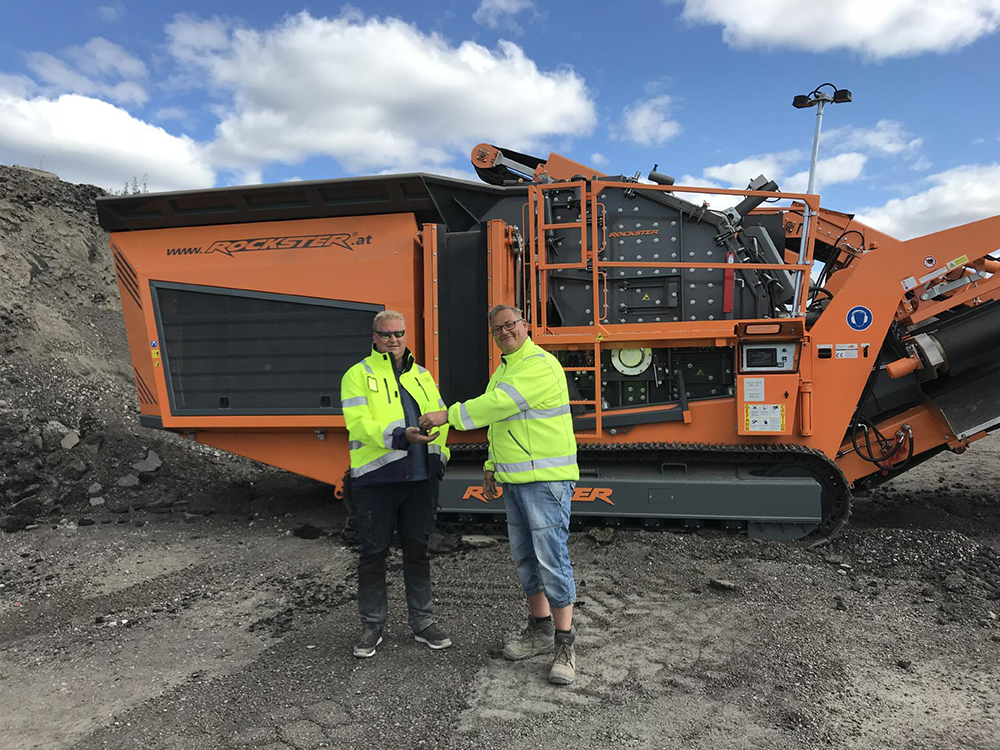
column 518, row 443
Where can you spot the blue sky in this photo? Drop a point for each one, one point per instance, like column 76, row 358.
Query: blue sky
column 222, row 93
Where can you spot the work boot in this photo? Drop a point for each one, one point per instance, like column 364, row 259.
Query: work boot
column 433, row 636
column 563, row 670
column 370, row 638
column 536, row 638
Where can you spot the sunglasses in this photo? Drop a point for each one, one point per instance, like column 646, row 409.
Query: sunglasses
column 389, row 334
column 508, row 326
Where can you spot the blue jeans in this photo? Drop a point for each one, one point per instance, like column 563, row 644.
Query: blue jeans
column 538, row 529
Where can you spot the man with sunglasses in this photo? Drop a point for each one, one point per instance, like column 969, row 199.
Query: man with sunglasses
column 533, row 455
column 395, row 471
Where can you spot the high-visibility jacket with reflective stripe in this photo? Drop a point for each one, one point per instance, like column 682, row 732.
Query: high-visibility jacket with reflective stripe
column 376, row 422
column 526, row 406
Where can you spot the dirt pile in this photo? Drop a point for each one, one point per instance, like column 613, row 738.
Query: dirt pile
column 69, row 431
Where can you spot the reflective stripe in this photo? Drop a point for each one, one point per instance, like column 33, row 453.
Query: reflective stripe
column 538, row 463
column 441, row 403
column 387, row 432
column 378, row 463
column 347, row 403
column 463, row 414
column 540, row 413
column 355, row 444
column 437, row 450
column 535, row 355
column 368, row 368
column 419, row 368
column 511, row 391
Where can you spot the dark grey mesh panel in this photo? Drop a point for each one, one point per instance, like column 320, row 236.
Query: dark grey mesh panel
column 233, row 352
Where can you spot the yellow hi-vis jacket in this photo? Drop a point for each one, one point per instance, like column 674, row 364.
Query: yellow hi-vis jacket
column 526, row 406
column 376, row 423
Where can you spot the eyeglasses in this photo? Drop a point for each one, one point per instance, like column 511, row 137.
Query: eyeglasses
column 508, row 326
column 389, row 334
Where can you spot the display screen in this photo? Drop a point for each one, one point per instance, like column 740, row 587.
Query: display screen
column 762, row 357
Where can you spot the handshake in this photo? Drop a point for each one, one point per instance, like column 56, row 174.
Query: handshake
column 433, row 419
column 423, row 434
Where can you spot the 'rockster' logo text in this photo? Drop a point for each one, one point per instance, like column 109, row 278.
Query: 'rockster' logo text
column 634, row 233
column 230, row 247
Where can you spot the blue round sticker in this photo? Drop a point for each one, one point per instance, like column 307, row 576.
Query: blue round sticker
column 859, row 317
column 153, row 344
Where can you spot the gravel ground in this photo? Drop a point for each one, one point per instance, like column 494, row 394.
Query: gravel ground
column 228, row 631
column 172, row 606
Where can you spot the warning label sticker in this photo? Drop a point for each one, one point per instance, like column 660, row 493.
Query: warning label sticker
column 753, row 389
column 933, row 275
column 764, row 418
column 961, row 260
column 910, row 282
column 846, row 351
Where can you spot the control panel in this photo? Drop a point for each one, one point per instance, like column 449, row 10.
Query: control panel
column 775, row 356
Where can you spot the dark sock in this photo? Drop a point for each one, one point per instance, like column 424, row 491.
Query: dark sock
column 563, row 632
column 540, row 620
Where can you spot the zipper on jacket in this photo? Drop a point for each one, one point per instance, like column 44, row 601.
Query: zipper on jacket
column 424, row 390
column 388, row 396
column 518, row 443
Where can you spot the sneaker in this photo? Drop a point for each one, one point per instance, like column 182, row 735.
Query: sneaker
column 535, row 639
column 563, row 670
column 433, row 636
column 368, row 642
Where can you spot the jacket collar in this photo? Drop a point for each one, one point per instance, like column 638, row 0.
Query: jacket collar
column 527, row 348
column 386, row 359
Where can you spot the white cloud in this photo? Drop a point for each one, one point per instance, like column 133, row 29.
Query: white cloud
column 100, row 57
column 647, row 122
column 101, row 68
column 887, row 138
column 738, row 174
column 111, row 13
column 880, row 30
column 496, row 14
column 599, row 160
column 319, row 86
column 955, row 197
column 16, row 85
column 87, row 140
column 840, row 168
column 921, row 165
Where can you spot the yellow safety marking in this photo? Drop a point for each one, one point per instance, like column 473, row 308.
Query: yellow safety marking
column 961, row 260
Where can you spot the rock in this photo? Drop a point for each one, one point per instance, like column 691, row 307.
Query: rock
column 71, row 440
column 150, row 463
column 52, row 434
column 904, row 663
column 10, row 524
column 721, row 584
column 86, row 522
column 31, row 489
column 129, row 480
column 839, row 603
column 441, row 543
column 95, row 501
column 191, row 517
column 479, row 540
column 74, row 469
column 308, row 531
column 146, row 477
column 601, row 534
column 94, row 489
column 955, row 582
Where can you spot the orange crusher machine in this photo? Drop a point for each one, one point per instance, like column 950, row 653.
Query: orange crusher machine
column 747, row 367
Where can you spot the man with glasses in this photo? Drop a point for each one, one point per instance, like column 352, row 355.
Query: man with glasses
column 532, row 455
column 395, row 471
